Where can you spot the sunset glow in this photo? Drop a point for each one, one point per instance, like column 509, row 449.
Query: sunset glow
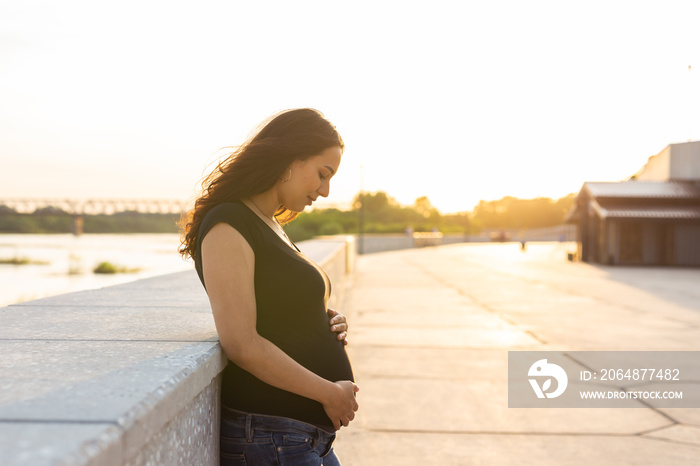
column 457, row 101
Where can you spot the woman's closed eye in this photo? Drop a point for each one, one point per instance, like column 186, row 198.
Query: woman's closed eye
column 326, row 172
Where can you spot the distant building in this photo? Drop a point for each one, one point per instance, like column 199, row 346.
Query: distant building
column 651, row 219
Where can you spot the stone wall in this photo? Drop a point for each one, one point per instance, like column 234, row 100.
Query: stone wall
column 125, row 375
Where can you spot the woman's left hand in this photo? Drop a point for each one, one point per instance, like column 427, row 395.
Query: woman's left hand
column 338, row 325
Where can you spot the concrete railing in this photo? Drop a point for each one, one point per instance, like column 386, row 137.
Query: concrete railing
column 371, row 243
column 125, row 375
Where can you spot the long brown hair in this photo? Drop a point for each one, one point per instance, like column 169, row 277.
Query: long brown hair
column 255, row 167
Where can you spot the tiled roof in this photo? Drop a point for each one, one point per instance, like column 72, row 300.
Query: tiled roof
column 644, row 189
column 651, row 212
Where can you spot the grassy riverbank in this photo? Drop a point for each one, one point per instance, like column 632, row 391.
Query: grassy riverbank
column 126, row 222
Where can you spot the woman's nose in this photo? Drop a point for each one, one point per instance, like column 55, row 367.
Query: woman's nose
column 324, row 190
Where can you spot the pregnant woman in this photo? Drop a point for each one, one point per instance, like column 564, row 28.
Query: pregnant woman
column 289, row 385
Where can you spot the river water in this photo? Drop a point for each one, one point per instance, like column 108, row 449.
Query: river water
column 69, row 261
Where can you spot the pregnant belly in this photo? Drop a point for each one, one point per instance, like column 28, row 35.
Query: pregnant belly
column 320, row 352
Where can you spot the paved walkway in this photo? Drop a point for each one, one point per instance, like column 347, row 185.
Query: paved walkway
column 430, row 331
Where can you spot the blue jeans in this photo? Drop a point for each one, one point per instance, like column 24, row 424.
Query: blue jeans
column 259, row 440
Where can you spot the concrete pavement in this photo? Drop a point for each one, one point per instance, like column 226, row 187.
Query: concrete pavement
column 430, row 331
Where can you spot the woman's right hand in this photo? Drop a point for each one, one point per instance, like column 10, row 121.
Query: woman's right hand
column 340, row 404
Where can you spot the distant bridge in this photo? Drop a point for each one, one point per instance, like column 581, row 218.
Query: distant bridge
column 93, row 206
column 78, row 208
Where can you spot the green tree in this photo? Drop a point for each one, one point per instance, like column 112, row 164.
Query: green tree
column 511, row 212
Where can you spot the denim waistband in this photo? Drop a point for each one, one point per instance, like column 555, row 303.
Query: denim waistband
column 277, row 424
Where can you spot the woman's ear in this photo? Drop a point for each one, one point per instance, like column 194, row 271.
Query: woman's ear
column 287, row 175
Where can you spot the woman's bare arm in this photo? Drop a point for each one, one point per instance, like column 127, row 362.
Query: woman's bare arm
column 228, row 264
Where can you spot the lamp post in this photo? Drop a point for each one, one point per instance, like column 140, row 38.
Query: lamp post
column 361, row 222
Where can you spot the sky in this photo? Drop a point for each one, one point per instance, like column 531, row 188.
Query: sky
column 455, row 100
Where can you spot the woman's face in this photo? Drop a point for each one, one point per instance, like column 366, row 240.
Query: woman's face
column 309, row 179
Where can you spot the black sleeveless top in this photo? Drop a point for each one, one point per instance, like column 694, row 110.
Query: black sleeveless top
column 291, row 294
